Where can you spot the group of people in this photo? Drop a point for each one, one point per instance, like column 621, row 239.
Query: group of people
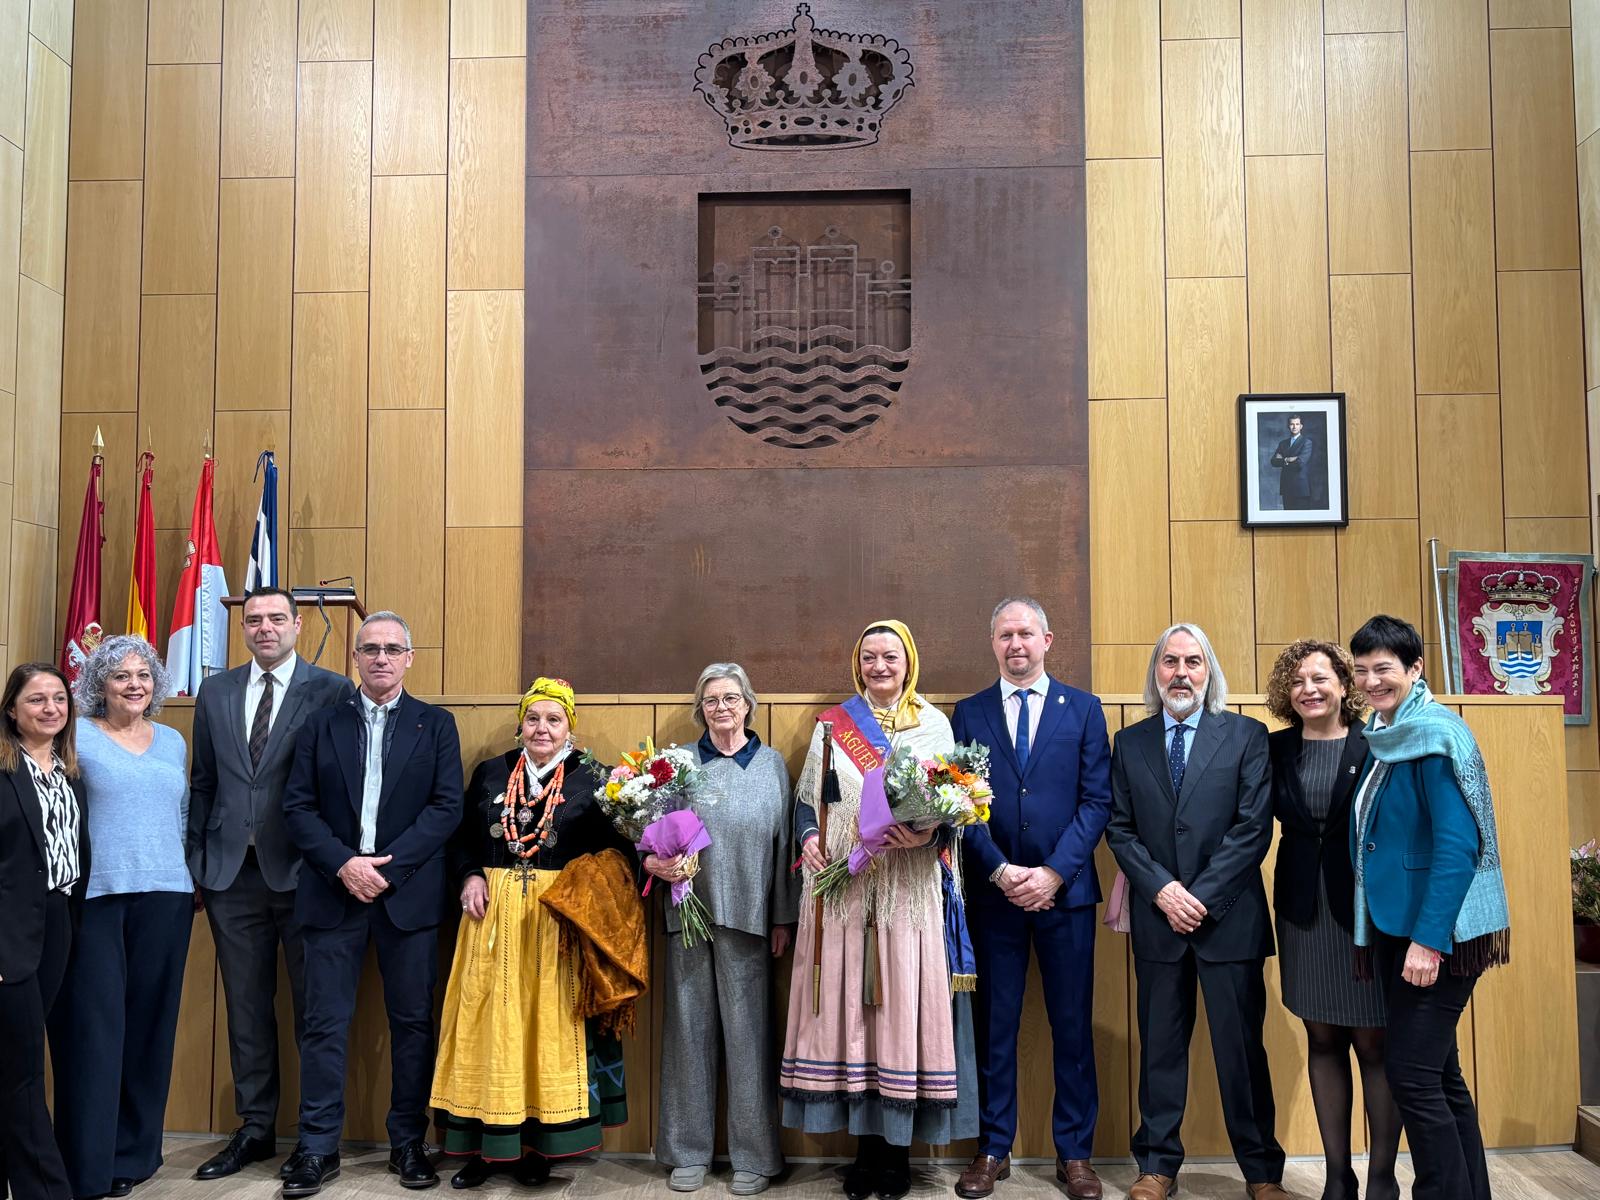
column 320, row 817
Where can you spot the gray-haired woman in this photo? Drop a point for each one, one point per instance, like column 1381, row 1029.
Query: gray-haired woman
column 113, row 1026
column 722, row 988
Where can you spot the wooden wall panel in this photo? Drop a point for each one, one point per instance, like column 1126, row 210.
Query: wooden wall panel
column 1117, row 668
column 1458, row 472
column 44, row 169
column 1589, row 227
column 1583, row 791
column 177, row 375
column 328, row 427
column 1372, row 365
column 407, row 348
column 1288, row 285
column 1452, row 233
column 108, row 93
column 484, row 410
column 405, row 518
column 1369, row 177
column 185, row 31
column 51, row 22
column 32, row 605
column 1128, row 526
column 1212, row 574
column 1586, row 67
column 1549, row 535
column 335, row 30
column 1203, row 138
column 1542, row 399
column 1519, row 13
column 182, row 132
column 13, row 70
column 487, row 156
column 1296, row 585
column 38, row 407
column 255, row 293
column 258, row 87
column 1184, row 19
column 241, row 436
column 483, row 610
column 410, row 86
column 1127, row 334
column 328, row 554
column 1526, row 1069
column 101, row 366
column 1282, row 44
column 1208, row 367
column 1535, row 147
column 1448, row 48
column 10, row 259
column 489, row 29
column 1378, row 573
column 332, row 180
column 1122, row 78
column 1364, row 16
column 5, row 571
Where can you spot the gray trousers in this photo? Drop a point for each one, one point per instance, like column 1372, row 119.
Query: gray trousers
column 719, row 993
column 248, row 921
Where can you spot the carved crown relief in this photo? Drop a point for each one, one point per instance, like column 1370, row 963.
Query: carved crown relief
column 803, row 88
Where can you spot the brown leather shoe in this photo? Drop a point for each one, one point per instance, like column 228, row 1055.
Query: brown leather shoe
column 1150, row 1186
column 1082, row 1183
column 1265, row 1191
column 979, row 1177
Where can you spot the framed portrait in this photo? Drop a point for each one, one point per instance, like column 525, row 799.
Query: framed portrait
column 1292, row 460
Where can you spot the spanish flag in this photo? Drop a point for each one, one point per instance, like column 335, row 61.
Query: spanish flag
column 142, row 579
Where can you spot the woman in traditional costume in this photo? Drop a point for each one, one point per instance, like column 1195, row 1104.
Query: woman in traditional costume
column 523, row 1076
column 883, row 1046
column 719, row 991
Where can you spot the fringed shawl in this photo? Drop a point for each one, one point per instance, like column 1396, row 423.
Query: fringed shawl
column 601, row 918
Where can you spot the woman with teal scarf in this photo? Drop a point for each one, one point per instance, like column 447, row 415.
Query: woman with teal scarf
column 1430, row 902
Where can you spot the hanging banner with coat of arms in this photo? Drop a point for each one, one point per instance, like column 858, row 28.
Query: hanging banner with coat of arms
column 1521, row 626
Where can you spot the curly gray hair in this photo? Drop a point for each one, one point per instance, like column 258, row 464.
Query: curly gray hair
column 90, row 690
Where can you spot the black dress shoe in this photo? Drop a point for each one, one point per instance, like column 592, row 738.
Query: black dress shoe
column 240, row 1152
column 410, row 1162
column 290, row 1163
column 121, row 1187
column 472, row 1173
column 858, row 1180
column 531, row 1170
column 310, row 1173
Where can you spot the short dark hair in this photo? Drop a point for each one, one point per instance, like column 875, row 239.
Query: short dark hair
column 264, row 591
column 1382, row 632
column 1295, row 417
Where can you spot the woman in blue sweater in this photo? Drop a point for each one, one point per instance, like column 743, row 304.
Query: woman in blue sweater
column 1430, row 902
column 113, row 1027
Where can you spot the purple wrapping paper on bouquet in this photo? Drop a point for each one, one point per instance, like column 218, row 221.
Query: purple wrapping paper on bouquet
column 874, row 821
column 681, row 832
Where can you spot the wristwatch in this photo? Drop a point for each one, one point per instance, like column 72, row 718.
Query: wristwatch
column 994, row 875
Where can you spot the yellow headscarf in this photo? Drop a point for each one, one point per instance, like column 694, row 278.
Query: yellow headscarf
column 905, row 711
column 545, row 688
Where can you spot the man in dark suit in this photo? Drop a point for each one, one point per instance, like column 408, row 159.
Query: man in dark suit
column 1296, row 458
column 245, row 722
column 1031, row 881
column 1190, row 825
column 374, row 794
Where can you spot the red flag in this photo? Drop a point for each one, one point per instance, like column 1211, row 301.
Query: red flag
column 197, row 641
column 83, row 630
column 142, row 580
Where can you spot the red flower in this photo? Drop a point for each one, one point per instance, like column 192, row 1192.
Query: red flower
column 661, row 772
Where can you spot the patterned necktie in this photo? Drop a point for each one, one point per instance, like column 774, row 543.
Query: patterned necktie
column 1175, row 759
column 261, row 726
column 1022, row 729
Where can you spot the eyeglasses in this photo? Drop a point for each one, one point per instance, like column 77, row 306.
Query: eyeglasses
column 732, row 702
column 389, row 649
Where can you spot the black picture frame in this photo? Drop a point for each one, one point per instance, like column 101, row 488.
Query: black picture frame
column 1279, row 490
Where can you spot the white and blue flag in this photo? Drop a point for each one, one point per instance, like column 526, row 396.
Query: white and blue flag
column 262, row 570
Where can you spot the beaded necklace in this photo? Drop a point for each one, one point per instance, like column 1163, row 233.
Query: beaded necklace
column 518, row 813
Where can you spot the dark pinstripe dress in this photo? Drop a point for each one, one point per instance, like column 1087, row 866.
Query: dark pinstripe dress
column 1315, row 962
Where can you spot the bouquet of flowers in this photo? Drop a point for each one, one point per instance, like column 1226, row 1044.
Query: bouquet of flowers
column 921, row 793
column 645, row 797
column 1586, row 883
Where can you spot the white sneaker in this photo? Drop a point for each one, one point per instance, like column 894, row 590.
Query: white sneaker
column 687, row 1179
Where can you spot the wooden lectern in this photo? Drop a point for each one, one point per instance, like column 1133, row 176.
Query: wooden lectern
column 323, row 601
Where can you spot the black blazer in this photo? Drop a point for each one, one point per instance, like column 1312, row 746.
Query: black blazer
column 419, row 808
column 581, row 825
column 1212, row 840
column 22, row 885
column 1311, row 849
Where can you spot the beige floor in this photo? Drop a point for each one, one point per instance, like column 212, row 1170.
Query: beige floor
column 1537, row 1176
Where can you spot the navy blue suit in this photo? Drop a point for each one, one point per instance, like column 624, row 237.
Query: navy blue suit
column 419, row 808
column 1051, row 813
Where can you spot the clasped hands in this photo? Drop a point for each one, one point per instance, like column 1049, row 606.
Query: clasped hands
column 1032, row 889
column 362, row 878
column 1183, row 912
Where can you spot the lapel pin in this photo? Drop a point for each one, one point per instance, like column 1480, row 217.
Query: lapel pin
column 1061, row 699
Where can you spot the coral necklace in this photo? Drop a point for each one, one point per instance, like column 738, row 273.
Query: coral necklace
column 518, row 812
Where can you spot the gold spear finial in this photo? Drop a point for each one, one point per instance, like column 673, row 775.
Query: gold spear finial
column 99, row 443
